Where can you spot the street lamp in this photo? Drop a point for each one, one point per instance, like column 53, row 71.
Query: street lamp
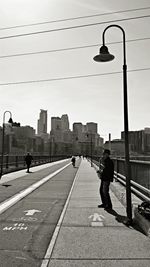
column 105, row 56
column 3, row 137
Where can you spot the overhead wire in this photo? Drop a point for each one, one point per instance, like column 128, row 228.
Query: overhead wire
column 72, row 27
column 71, row 48
column 56, row 50
column 71, row 77
column 75, row 18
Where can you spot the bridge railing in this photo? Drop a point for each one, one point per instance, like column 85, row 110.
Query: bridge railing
column 17, row 162
column 140, row 175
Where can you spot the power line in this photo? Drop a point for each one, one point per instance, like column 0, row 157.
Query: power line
column 72, row 27
column 71, row 77
column 71, row 48
column 75, row 18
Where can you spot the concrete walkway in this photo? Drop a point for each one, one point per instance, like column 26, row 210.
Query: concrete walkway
column 90, row 236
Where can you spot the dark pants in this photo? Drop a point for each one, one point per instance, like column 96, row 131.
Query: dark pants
column 28, row 166
column 104, row 193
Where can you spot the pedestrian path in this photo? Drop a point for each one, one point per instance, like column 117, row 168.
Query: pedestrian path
column 90, row 236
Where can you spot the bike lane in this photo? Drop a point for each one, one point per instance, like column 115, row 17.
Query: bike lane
column 22, row 180
column 27, row 227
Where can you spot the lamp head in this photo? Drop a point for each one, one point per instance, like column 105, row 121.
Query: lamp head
column 103, row 55
column 10, row 120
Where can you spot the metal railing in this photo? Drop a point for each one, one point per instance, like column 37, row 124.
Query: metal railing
column 140, row 176
column 17, row 162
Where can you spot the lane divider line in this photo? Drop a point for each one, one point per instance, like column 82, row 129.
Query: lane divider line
column 51, row 245
column 14, row 199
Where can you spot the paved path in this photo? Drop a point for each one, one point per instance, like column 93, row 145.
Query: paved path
column 18, row 174
column 89, row 236
column 28, row 217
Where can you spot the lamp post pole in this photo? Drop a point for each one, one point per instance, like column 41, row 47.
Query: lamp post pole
column 49, row 148
column 103, row 57
column 3, row 140
column 91, row 151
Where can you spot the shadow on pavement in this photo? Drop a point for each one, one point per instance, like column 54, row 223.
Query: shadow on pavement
column 6, row 185
column 124, row 219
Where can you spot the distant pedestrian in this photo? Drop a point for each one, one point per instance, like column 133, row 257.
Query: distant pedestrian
column 106, row 176
column 73, row 160
column 28, row 160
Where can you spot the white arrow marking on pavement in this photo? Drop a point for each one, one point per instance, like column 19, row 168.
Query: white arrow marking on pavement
column 31, row 212
column 97, row 219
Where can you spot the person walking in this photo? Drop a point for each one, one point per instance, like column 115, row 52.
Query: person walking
column 28, row 160
column 106, row 176
column 73, row 160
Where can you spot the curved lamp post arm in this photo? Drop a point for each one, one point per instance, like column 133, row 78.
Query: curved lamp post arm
column 124, row 41
column 5, row 114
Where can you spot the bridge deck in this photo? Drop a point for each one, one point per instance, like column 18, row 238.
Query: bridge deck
column 90, row 236
column 59, row 224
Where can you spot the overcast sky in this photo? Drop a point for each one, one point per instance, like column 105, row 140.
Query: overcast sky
column 85, row 99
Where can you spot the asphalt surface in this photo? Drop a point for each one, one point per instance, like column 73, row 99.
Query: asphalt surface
column 15, row 182
column 27, row 227
column 93, row 237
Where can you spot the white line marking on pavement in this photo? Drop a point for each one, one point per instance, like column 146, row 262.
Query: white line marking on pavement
column 93, row 224
column 31, row 212
column 13, row 200
column 20, row 258
column 48, row 254
column 25, row 219
column 97, row 219
column 16, row 226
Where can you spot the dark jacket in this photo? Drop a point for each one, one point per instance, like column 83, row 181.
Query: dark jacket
column 108, row 171
column 28, row 159
column 73, row 159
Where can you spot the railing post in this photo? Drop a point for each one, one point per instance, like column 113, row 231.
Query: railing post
column 24, row 163
column 117, row 168
column 16, row 161
column 7, row 161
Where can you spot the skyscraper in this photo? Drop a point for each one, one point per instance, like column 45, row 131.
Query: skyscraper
column 64, row 122
column 42, row 122
column 91, row 127
column 77, row 130
column 56, row 123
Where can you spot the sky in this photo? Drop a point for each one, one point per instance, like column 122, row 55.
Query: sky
column 54, row 68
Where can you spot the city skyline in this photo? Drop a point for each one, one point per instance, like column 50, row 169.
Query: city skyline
column 55, row 70
column 106, row 138
column 62, row 139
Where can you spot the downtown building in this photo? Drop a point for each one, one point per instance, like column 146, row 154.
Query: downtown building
column 42, row 125
column 86, row 140
column 139, row 141
column 18, row 140
column 82, row 140
column 61, row 140
column 42, row 137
